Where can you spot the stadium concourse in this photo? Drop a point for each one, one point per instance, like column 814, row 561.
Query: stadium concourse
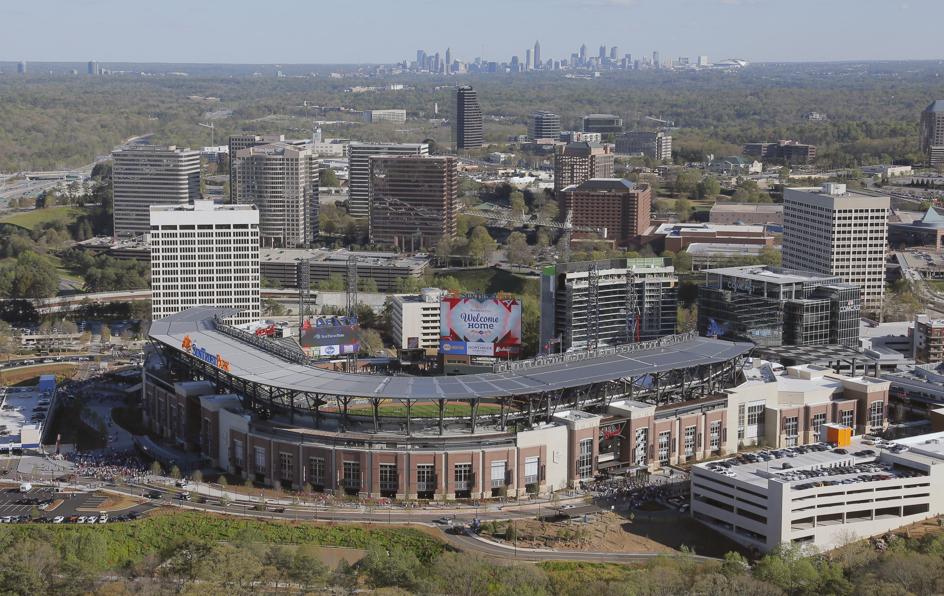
column 256, row 407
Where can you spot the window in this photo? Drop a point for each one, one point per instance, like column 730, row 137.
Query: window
column 498, row 474
column 791, row 427
column 316, row 471
column 714, row 435
column 585, row 459
column 531, row 465
column 876, row 415
column 846, row 416
column 740, row 421
column 755, row 415
column 389, row 480
column 641, row 456
column 286, row 466
column 817, row 424
column 463, row 476
column 689, row 441
column 664, row 447
column 352, row 475
column 426, row 477
column 260, row 459
column 239, row 454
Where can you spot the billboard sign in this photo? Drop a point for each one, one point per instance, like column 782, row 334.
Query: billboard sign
column 492, row 323
column 330, row 336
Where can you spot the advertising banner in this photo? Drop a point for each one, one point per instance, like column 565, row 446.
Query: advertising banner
column 493, row 323
column 330, row 336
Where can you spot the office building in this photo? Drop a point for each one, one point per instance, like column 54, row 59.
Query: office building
column 21, row 67
column 575, row 163
column 679, row 236
column 822, row 497
column 772, row 307
column 413, row 200
column 414, row 320
column 467, row 127
column 928, row 339
column 544, row 126
column 93, row 68
column 790, row 152
column 528, row 60
column 386, row 269
column 146, row 175
column 282, row 181
column 537, row 55
column 576, row 136
column 358, row 161
column 245, row 141
column 605, row 303
column 932, row 133
column 395, row 116
column 448, row 65
column 703, row 61
column 837, row 232
column 746, row 214
column 654, row 145
column 621, row 207
column 606, row 124
column 205, row 255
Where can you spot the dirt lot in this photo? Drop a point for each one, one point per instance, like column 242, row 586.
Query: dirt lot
column 659, row 532
column 32, row 373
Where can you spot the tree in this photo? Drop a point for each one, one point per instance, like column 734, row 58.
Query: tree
column 307, row 569
column 335, row 282
column 106, row 333
column 383, row 568
column 683, row 209
column 518, row 206
column 686, row 182
column 327, row 177
column 197, row 476
column 709, row 188
column 31, row 276
column 770, row 256
column 344, row 576
column 156, row 469
column 175, row 472
column 368, row 285
column 519, row 253
column 481, row 244
column 371, row 342
column 682, row 261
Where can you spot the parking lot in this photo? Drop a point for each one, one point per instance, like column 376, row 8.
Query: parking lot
column 48, row 505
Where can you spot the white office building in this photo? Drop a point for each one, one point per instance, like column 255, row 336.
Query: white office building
column 358, row 159
column 415, row 320
column 205, row 255
column 838, row 232
column 819, row 495
column 395, row 116
column 145, row 175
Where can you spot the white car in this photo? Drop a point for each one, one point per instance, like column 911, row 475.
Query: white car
column 58, row 519
column 102, row 519
column 81, row 520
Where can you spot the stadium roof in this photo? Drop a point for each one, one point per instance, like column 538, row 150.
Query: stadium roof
column 257, row 365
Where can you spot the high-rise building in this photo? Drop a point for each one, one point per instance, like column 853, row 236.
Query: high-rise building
column 245, row 141
column 537, row 55
column 602, row 123
column 146, row 175
column 544, row 125
column 618, row 205
column 583, row 54
column 656, row 60
column 928, row 340
column 578, row 162
column 21, row 67
column 281, row 180
column 448, row 61
column 414, row 320
column 771, row 306
column 703, row 61
column 614, row 52
column 358, row 167
column 634, row 300
column 837, row 232
column 467, row 128
column 93, row 68
column 413, row 200
column 654, row 145
column 932, row 133
column 602, row 54
column 785, row 151
column 205, row 255
column 528, row 60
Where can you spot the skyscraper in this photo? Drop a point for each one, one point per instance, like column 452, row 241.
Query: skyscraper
column 21, row 67
column 245, row 141
column 932, row 133
column 583, row 54
column 93, row 68
column 836, row 232
column 528, row 60
column 467, row 127
column 620, row 206
column 448, row 60
column 413, row 200
column 205, row 254
column 578, row 162
column 614, row 52
column 656, row 60
column 544, row 125
column 537, row 55
column 358, row 167
column 602, row 53
column 281, row 180
column 146, row 175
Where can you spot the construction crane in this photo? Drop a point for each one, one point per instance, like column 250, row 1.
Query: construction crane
column 212, row 128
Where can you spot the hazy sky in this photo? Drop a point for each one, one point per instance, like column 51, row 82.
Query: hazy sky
column 337, row 31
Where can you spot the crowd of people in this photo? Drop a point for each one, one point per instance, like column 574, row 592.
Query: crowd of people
column 632, row 491
column 108, row 466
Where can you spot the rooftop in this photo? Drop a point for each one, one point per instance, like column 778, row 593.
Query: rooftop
column 767, row 273
column 677, row 229
column 747, row 208
column 322, row 255
column 935, row 106
column 723, row 250
column 603, row 185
